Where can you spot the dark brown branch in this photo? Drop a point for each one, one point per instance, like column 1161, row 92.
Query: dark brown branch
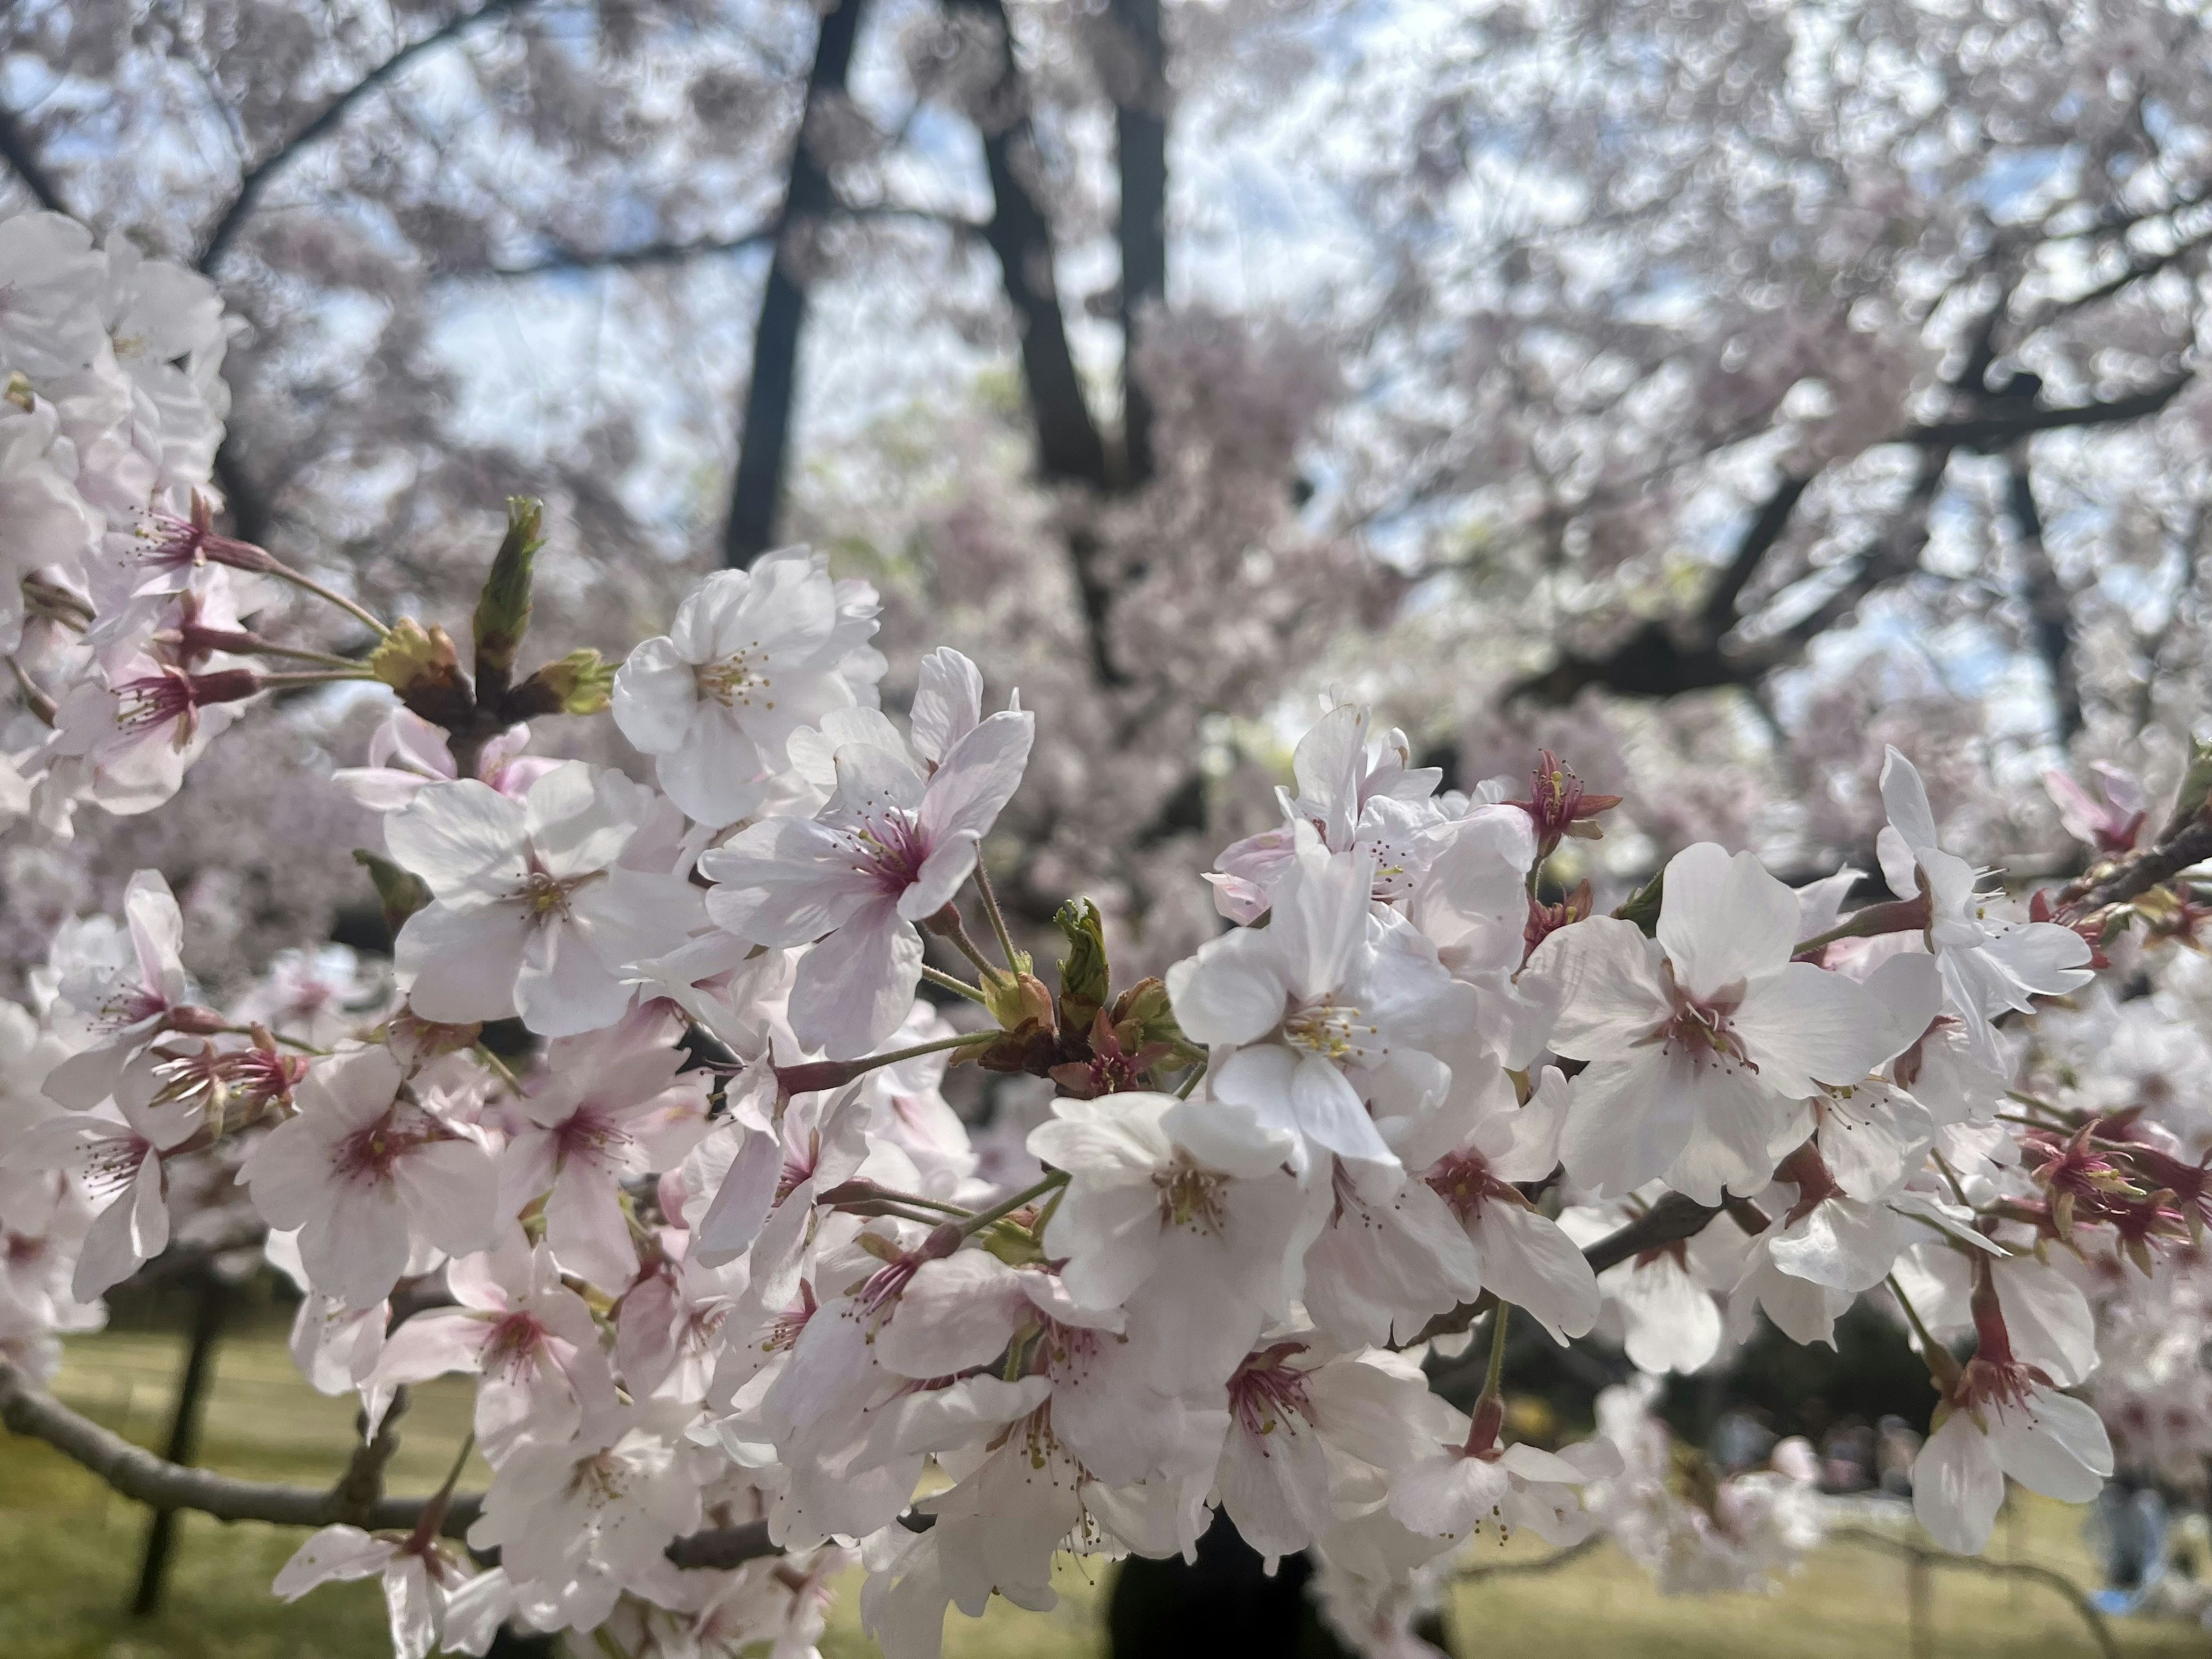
column 2138, row 872
column 1927, row 1555
column 1672, row 1219
column 651, row 255
column 1537, row 1568
column 1758, row 539
column 1995, row 429
column 138, row 1473
column 772, row 382
column 2050, row 606
column 15, row 150
column 258, row 176
column 1069, row 447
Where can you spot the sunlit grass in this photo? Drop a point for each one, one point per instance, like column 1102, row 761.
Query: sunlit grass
column 69, row 1551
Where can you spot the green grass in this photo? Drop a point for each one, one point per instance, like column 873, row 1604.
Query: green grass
column 68, row 1557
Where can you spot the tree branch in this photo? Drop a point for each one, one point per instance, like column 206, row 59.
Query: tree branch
column 1541, row 1565
column 2099, row 1632
column 138, row 1473
column 1759, row 536
column 1996, row 430
column 16, row 150
column 258, row 176
column 2140, row 871
column 1672, row 1219
column 2050, row 606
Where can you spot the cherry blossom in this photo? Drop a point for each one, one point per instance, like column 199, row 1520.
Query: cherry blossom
column 1701, row 1040
column 753, row 656
column 891, row 851
column 534, row 912
column 368, row 1175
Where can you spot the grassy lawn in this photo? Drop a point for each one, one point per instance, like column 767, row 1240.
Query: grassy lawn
column 68, row 1556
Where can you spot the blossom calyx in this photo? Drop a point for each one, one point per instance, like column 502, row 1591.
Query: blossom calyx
column 502, row 613
column 582, row 683
column 422, row 665
column 401, row 892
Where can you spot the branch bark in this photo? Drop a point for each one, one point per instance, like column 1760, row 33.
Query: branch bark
column 1995, row 430
column 2050, row 606
column 258, row 176
column 1923, row 1554
column 138, row 1473
column 15, row 150
column 1138, row 79
column 1069, row 447
column 772, row 383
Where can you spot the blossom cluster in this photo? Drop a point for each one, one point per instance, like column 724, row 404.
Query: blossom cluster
column 646, row 1129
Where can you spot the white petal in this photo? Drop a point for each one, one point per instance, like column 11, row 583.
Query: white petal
column 1723, row 918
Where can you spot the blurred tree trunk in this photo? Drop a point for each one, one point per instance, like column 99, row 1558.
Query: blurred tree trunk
column 1222, row 1603
column 207, row 1311
column 772, row 382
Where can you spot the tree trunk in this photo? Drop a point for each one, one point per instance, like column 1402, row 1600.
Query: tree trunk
column 184, row 1434
column 772, row 384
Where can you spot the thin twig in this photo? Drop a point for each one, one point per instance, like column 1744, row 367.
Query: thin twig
column 2050, row 1577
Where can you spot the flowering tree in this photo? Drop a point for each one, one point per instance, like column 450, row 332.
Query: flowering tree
column 746, row 1304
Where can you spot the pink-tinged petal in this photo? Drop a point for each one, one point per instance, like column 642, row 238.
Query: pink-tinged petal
column 1805, row 1025
column 412, row 1618
column 1529, row 1261
column 1736, row 1118
column 1331, row 1115
column 527, row 1167
column 655, row 696
column 1724, row 919
column 149, row 1210
column 286, row 1174
column 1230, row 994
column 1907, row 990
column 716, row 774
column 1906, row 799
column 453, row 834
column 954, row 1315
column 450, row 1189
column 1448, row 1495
column 786, row 881
column 1535, row 1463
column 563, row 988
column 157, row 930
column 331, row 1556
column 977, row 778
column 1629, row 1119
column 741, row 1204
column 432, row 1344
column 355, row 1246
column 2049, row 1318
column 1329, row 762
column 855, row 987
column 1321, row 916
column 2056, row 1445
column 948, row 702
column 1957, row 1485
column 629, row 915
column 950, row 860
column 1607, row 983
column 946, row 1420
column 586, row 1228
column 107, row 1258
column 86, row 1078
column 459, row 966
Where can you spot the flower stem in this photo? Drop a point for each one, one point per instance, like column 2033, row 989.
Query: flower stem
column 1197, row 1075
column 997, row 1212
column 1494, row 1376
column 945, row 981
column 499, row 1066
column 947, row 924
column 293, row 653
column 306, row 584
column 434, row 1511
column 1890, row 916
column 1932, row 1354
column 316, row 677
column 991, row 909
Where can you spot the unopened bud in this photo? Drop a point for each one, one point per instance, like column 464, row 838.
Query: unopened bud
column 582, row 683
column 502, row 613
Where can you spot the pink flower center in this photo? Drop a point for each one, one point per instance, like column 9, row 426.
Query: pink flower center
column 590, row 1135
column 517, row 1343
column 112, row 1165
column 370, row 1155
column 890, row 852
column 1266, row 1391
column 1463, row 1180
column 1699, row 1026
